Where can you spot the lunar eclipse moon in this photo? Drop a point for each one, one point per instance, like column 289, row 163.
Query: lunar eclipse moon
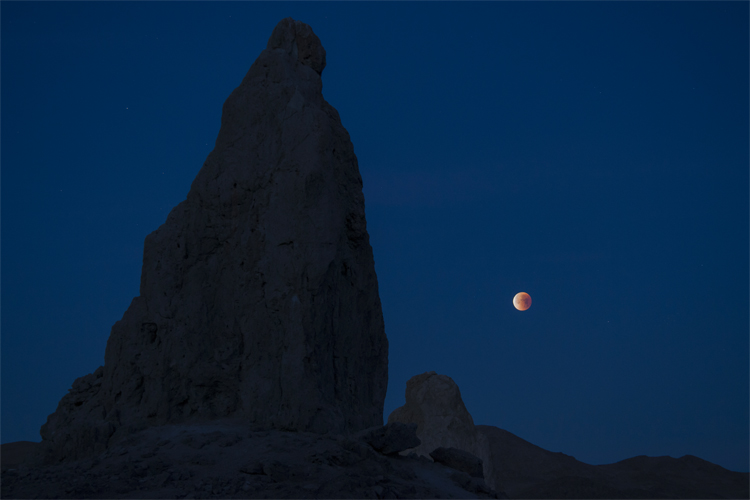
column 522, row 301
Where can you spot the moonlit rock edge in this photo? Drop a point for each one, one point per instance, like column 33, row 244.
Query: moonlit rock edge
column 258, row 296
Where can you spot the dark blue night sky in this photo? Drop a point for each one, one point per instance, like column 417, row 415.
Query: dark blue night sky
column 593, row 154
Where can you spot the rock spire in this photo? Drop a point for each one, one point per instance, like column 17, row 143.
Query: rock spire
column 258, row 296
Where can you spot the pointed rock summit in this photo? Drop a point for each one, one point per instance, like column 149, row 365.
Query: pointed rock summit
column 258, row 296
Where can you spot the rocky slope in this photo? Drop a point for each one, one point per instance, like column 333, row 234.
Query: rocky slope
column 227, row 459
column 524, row 470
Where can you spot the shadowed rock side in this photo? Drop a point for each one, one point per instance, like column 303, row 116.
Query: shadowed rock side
column 258, row 295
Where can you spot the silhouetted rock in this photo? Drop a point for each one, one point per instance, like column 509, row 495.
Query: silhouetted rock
column 684, row 477
column 258, row 295
column 459, row 460
column 524, row 470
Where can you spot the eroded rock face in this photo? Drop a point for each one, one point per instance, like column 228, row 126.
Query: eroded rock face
column 258, row 295
column 434, row 403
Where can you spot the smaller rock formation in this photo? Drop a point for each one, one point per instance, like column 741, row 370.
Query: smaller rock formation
column 459, row 460
column 434, row 403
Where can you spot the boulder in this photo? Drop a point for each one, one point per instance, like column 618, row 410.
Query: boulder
column 460, row 460
column 392, row 438
column 258, row 295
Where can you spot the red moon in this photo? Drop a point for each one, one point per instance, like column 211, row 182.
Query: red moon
column 522, row 301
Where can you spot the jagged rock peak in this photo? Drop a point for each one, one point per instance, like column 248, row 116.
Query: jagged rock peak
column 258, row 297
column 298, row 39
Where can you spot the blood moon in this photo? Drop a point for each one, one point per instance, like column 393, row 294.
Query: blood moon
column 522, row 301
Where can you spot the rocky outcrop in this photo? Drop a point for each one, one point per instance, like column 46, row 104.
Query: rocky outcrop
column 434, row 403
column 258, row 295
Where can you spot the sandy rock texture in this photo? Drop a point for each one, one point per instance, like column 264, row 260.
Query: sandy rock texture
column 227, row 459
column 258, row 295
